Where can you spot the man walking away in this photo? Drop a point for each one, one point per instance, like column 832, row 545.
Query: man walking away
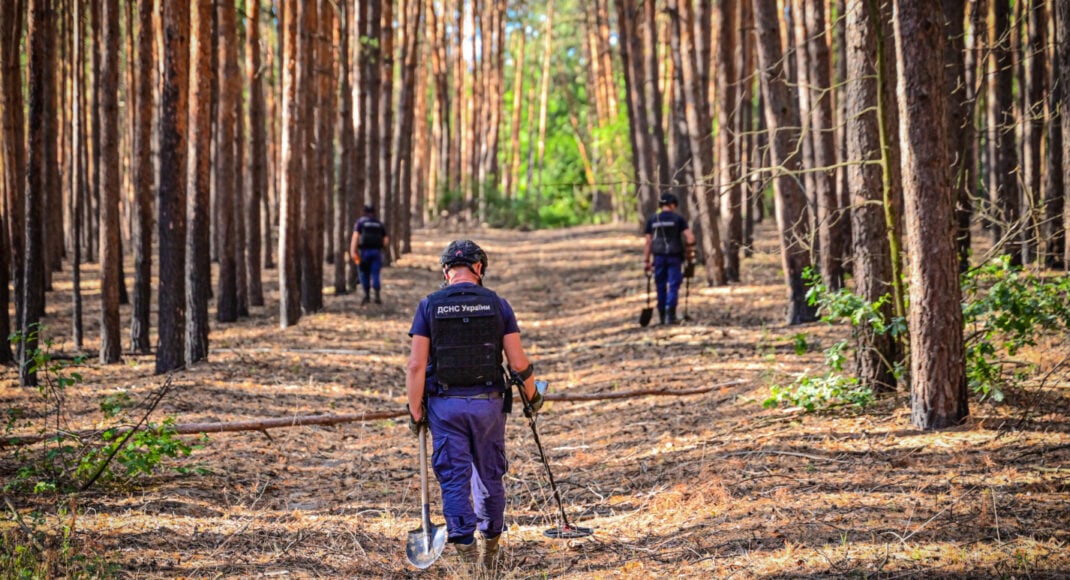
column 456, row 384
column 668, row 242
column 369, row 238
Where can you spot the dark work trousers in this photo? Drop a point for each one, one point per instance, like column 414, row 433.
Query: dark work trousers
column 468, row 437
column 371, row 261
column 667, row 278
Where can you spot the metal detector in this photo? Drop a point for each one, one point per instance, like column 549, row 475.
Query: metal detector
column 565, row 530
column 689, row 274
column 426, row 543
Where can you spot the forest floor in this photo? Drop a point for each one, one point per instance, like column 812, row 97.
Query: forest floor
column 707, row 485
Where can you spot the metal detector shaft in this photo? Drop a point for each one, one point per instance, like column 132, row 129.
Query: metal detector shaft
column 542, row 454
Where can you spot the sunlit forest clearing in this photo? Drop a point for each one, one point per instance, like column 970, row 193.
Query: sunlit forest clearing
column 865, row 376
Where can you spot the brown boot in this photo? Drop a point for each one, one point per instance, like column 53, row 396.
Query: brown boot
column 490, row 555
column 468, row 553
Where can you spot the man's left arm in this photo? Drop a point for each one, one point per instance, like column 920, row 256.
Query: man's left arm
column 518, row 361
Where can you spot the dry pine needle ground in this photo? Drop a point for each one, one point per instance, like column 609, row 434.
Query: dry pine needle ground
column 701, row 486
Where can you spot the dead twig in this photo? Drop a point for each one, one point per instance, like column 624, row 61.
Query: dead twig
column 17, row 518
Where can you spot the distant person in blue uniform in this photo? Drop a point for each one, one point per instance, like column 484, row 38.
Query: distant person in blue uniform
column 366, row 247
column 456, row 383
column 668, row 243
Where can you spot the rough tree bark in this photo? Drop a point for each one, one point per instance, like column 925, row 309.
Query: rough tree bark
column 142, row 159
column 1004, row 192
column 258, row 182
column 12, row 146
column 1054, row 192
column 226, row 168
column 702, row 165
column 937, row 361
column 830, row 219
column 875, row 353
column 171, row 200
column 110, row 341
column 290, row 184
column 728, row 105
column 313, row 183
column 781, row 117
column 1062, row 35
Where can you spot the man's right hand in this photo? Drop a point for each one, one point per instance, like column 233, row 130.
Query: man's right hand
column 414, row 424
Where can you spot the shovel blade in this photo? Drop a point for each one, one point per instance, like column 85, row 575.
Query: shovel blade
column 423, row 548
column 645, row 316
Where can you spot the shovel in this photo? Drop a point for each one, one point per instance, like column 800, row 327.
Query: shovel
column 425, row 545
column 648, row 312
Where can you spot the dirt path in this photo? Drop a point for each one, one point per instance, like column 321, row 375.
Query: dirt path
column 700, row 486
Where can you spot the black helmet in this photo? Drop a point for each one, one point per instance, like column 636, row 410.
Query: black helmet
column 668, row 199
column 464, row 252
column 369, row 208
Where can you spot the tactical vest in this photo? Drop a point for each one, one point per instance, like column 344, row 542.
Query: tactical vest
column 666, row 237
column 466, row 338
column 371, row 235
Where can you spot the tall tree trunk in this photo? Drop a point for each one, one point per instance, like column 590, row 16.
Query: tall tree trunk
column 544, row 100
column 844, row 195
column 798, row 57
column 387, row 204
column 199, row 175
column 649, row 35
column 12, row 146
column 638, row 128
column 79, row 185
column 372, row 80
column 1033, row 126
column 226, row 162
column 403, row 153
column 360, row 132
column 345, row 144
column 1004, row 191
column 142, row 159
column 110, row 342
column 171, row 200
column 1054, row 186
column 875, row 353
column 312, row 199
column 512, row 174
column 829, row 216
column 258, row 182
column 781, row 119
column 702, row 166
column 291, row 182
column 728, row 168
column 40, row 58
column 937, row 361
column 1062, row 43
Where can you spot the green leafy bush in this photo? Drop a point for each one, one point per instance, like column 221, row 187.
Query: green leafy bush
column 1004, row 310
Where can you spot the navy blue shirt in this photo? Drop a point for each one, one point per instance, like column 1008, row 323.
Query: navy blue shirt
column 421, row 325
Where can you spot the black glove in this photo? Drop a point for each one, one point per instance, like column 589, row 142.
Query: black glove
column 689, row 253
column 533, row 405
column 689, row 270
column 415, row 425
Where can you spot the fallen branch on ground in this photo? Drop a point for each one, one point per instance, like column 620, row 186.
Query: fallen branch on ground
column 302, row 420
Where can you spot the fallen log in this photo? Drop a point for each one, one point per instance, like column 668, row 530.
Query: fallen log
column 303, row 420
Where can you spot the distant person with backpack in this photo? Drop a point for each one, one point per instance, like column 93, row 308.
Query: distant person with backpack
column 669, row 242
column 366, row 248
column 456, row 386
